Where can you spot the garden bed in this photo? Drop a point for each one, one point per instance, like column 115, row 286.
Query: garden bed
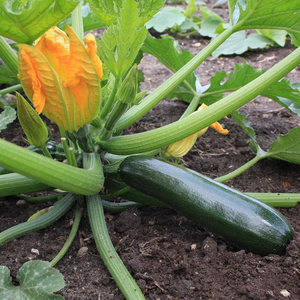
column 169, row 256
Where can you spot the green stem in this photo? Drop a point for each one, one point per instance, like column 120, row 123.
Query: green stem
column 136, row 112
column 117, row 193
column 73, row 157
column 65, row 144
column 108, row 105
column 239, row 170
column 11, row 89
column 14, row 184
column 277, row 200
column 77, row 21
column 192, row 106
column 41, row 199
column 187, row 34
column 117, row 111
column 70, row 239
column 46, row 152
column 43, row 221
column 120, row 206
column 51, row 172
column 9, row 56
column 110, row 257
column 163, row 136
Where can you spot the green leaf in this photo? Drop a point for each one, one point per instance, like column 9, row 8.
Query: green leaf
column 7, row 76
column 109, row 10
column 242, row 74
column 270, row 14
column 148, row 8
column 291, row 105
column 278, row 36
column 239, row 43
column 286, row 94
column 190, row 9
column 166, row 19
column 169, row 53
column 37, row 281
column 287, row 147
column 121, row 42
column 220, row 2
column 25, row 21
column 283, row 92
column 241, row 120
column 7, row 116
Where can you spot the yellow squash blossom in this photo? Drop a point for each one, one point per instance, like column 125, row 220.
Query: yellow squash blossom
column 61, row 76
column 182, row 147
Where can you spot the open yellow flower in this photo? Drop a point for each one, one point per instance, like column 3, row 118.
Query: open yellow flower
column 61, row 76
column 182, row 147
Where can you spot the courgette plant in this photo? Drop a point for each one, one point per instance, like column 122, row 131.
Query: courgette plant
column 63, row 76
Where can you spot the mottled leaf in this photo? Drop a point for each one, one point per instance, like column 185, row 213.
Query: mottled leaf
column 7, row 116
column 37, row 281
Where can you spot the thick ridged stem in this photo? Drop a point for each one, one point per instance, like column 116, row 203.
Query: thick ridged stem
column 9, row 56
column 166, row 135
column 14, row 184
column 110, row 257
column 276, row 199
column 136, row 112
column 51, row 172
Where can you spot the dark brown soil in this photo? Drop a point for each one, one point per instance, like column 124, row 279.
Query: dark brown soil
column 169, row 256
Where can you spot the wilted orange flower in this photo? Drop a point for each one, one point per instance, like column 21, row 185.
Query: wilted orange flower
column 62, row 77
column 182, row 147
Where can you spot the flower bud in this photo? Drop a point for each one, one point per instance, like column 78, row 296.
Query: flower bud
column 127, row 91
column 35, row 129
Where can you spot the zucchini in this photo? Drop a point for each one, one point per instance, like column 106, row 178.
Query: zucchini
column 238, row 218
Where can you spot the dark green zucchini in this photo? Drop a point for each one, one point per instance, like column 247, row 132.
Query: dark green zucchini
column 238, row 218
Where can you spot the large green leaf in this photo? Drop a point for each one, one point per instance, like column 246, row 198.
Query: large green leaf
column 166, row 19
column 169, row 53
column 148, row 8
column 24, row 21
column 287, row 147
column 109, row 10
column 269, row 14
column 286, row 94
column 122, row 40
column 283, row 92
column 37, row 281
column 240, row 42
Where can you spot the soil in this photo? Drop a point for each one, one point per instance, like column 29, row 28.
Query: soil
column 169, row 256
